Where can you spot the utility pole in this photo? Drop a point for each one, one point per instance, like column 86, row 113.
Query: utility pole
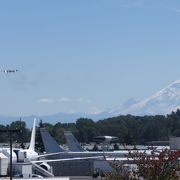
column 10, row 132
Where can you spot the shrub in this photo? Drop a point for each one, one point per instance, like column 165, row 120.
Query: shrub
column 162, row 165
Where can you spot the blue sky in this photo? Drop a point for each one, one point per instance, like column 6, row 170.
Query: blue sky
column 80, row 55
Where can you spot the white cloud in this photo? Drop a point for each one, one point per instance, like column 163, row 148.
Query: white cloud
column 80, row 99
column 83, row 100
column 64, row 99
column 95, row 110
column 48, row 100
column 45, row 100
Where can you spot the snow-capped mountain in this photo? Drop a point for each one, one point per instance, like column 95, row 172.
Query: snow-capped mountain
column 163, row 102
column 126, row 105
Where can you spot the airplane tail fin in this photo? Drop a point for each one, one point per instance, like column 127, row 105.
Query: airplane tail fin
column 33, row 134
column 50, row 145
column 72, row 142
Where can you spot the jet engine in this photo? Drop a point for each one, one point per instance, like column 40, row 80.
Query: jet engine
column 46, row 166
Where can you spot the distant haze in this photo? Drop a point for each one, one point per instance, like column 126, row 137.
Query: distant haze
column 161, row 103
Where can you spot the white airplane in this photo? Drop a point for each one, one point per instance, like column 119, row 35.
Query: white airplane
column 20, row 155
column 106, row 139
column 55, row 151
column 7, row 71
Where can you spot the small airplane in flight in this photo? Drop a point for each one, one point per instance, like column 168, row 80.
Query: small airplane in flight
column 7, row 71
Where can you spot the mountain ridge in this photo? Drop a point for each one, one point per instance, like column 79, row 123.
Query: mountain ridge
column 163, row 102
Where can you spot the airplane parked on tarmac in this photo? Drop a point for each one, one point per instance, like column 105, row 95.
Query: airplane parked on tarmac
column 52, row 148
column 106, row 139
column 30, row 155
column 21, row 155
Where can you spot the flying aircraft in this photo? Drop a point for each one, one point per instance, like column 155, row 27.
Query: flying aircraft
column 7, row 71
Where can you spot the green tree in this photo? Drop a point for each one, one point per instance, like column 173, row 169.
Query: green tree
column 24, row 135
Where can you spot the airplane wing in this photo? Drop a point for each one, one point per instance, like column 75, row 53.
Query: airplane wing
column 71, row 153
column 51, row 154
column 68, row 159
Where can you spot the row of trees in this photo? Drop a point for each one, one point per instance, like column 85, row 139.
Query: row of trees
column 129, row 129
column 23, row 136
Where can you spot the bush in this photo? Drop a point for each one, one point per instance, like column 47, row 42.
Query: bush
column 162, row 165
